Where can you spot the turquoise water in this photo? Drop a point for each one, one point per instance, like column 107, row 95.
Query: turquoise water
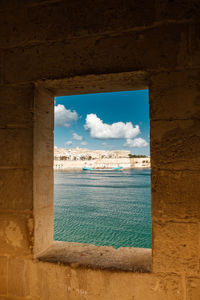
column 109, row 208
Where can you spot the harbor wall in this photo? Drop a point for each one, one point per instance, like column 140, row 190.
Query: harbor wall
column 126, row 163
column 107, row 163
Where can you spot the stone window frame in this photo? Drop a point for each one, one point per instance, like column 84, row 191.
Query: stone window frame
column 67, row 253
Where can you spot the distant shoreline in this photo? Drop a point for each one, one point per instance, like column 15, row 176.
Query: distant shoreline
column 125, row 163
column 70, row 159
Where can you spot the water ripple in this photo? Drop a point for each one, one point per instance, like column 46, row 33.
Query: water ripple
column 108, row 208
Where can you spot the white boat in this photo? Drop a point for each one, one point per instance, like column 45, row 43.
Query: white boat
column 89, row 168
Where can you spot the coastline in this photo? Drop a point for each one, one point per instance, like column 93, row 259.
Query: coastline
column 126, row 163
column 78, row 158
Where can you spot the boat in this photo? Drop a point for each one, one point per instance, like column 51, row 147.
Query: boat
column 88, row 168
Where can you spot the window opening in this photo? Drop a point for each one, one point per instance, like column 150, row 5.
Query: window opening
column 102, row 169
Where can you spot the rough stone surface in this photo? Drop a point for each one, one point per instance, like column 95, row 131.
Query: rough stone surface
column 172, row 254
column 43, row 169
column 43, row 192
column 18, row 286
column 15, row 233
column 172, row 189
column 43, row 228
column 194, row 49
column 193, row 288
column 43, row 23
column 178, row 9
column 94, row 284
column 16, row 189
column 112, row 82
column 3, row 274
column 175, row 144
column 16, row 147
column 96, row 55
column 16, row 106
column 175, row 95
column 83, row 255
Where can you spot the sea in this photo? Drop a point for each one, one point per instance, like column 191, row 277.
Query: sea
column 107, row 208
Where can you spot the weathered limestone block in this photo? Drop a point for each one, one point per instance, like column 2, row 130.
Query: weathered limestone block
column 43, row 147
column 192, row 60
column 16, row 234
column 98, row 257
column 3, row 275
column 175, row 195
column 16, row 147
column 18, row 277
column 177, row 10
column 140, row 287
column 1, row 67
column 193, row 288
column 16, row 106
column 17, row 298
column 199, row 247
column 112, row 82
column 51, row 282
column 175, row 95
column 43, row 109
column 43, row 170
column 175, row 247
column 16, row 189
column 43, row 129
column 94, row 55
column 43, row 188
column 159, row 287
column 43, row 229
column 65, row 19
column 48, row 281
column 13, row 4
column 13, row 298
column 175, row 144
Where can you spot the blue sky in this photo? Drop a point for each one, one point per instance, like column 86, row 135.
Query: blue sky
column 111, row 121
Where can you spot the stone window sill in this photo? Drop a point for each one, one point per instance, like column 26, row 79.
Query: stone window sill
column 99, row 257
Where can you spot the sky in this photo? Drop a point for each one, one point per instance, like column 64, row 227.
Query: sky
column 109, row 121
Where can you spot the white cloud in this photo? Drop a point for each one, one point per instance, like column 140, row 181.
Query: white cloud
column 84, row 143
column 119, row 130
column 64, row 117
column 136, row 143
column 68, row 143
column 77, row 137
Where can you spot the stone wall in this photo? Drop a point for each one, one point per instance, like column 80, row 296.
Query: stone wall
column 51, row 46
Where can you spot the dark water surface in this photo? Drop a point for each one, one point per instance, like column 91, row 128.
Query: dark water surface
column 109, row 208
